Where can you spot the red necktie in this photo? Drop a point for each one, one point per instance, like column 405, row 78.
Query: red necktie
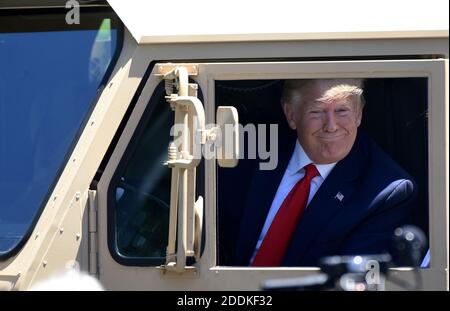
column 277, row 238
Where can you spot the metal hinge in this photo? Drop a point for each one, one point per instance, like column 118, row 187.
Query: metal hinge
column 165, row 68
column 93, row 234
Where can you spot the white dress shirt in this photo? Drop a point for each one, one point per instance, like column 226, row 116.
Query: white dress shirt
column 294, row 172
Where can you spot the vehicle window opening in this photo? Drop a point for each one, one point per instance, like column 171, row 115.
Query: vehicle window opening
column 139, row 192
column 395, row 117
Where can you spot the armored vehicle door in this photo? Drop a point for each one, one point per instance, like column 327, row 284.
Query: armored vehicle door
column 161, row 198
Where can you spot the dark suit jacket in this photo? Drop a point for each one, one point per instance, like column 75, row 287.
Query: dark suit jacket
column 377, row 198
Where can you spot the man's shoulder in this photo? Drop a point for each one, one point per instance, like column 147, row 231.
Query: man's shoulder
column 378, row 161
column 383, row 180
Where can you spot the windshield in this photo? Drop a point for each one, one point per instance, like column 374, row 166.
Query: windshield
column 48, row 83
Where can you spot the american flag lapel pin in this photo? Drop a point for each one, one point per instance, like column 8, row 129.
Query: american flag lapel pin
column 339, row 196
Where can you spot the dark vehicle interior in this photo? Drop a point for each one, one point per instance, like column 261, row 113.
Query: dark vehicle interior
column 395, row 116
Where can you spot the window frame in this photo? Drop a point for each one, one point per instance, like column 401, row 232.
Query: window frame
column 111, row 192
column 392, row 68
column 143, row 96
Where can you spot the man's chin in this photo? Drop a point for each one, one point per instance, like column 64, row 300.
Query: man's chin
column 327, row 161
column 331, row 157
column 327, row 153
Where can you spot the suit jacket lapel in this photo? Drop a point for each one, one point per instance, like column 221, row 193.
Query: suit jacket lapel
column 262, row 191
column 325, row 205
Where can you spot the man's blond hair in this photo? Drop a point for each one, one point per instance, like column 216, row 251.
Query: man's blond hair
column 295, row 90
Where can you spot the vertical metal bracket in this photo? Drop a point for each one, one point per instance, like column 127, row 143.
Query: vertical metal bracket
column 93, row 234
column 182, row 160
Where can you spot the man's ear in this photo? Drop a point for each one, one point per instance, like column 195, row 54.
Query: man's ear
column 289, row 113
column 358, row 121
column 359, row 116
column 359, row 110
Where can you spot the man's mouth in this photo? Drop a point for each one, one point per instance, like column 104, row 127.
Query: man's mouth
column 331, row 137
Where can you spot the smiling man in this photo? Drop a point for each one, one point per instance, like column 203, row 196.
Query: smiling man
column 326, row 115
column 336, row 193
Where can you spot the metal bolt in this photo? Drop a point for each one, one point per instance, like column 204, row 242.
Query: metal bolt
column 78, row 236
column 61, row 230
column 44, row 263
column 77, row 196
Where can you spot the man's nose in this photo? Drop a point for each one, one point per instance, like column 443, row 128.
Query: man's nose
column 330, row 122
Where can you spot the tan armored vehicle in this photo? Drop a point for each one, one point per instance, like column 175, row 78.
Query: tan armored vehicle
column 92, row 176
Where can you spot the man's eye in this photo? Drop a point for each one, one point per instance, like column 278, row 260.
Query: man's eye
column 315, row 111
column 342, row 111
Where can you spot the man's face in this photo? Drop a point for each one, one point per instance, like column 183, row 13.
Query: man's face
column 326, row 129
